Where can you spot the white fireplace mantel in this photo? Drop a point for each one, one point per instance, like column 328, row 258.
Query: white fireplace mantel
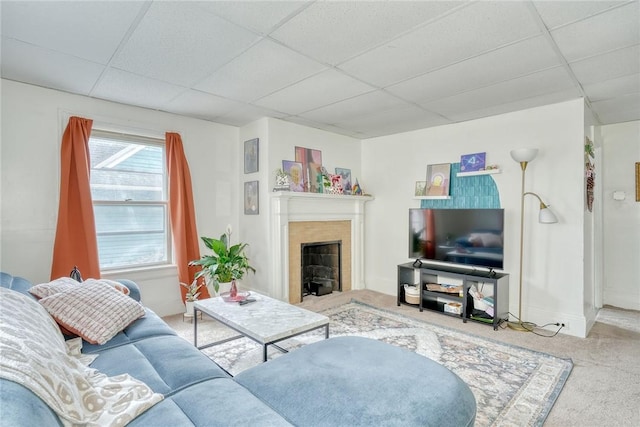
column 287, row 206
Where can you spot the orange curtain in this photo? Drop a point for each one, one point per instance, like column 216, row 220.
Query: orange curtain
column 182, row 213
column 75, row 243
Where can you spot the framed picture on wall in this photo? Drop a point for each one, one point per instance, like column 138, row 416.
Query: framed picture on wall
column 251, row 155
column 251, row 198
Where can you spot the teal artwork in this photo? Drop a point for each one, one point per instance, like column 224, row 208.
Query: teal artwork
column 469, row 192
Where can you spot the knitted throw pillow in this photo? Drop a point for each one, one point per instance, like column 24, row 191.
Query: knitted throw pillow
column 95, row 311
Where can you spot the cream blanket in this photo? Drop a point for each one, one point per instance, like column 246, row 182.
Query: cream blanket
column 34, row 354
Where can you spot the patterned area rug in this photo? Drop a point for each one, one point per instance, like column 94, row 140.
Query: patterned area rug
column 513, row 386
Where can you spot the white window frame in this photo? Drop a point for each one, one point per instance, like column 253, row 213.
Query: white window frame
column 144, row 140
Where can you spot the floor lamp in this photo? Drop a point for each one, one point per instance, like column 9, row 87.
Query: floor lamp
column 545, row 216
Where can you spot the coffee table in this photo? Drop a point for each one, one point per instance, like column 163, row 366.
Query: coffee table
column 265, row 321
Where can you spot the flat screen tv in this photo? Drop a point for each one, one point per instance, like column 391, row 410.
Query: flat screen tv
column 464, row 237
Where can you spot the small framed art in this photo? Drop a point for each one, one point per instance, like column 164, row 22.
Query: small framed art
column 438, row 179
column 294, row 172
column 421, row 188
column 251, row 151
column 346, row 179
column 251, row 198
column 473, row 162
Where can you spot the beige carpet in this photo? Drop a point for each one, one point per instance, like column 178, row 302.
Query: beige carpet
column 602, row 390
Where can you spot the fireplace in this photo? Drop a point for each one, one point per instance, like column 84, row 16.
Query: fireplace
column 298, row 218
column 320, row 268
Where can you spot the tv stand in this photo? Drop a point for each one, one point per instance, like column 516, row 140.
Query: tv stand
column 446, row 302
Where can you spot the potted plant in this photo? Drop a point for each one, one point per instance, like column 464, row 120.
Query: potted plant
column 227, row 263
column 192, row 295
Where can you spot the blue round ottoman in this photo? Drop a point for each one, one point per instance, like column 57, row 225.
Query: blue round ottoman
column 349, row 381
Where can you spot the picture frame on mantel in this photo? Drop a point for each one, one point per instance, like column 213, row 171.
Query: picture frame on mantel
column 251, row 155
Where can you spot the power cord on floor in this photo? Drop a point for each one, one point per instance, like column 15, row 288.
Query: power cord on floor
column 531, row 327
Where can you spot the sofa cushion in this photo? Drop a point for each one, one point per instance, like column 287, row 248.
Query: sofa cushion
column 150, row 325
column 20, row 407
column 164, row 363
column 214, row 403
column 18, row 284
column 95, row 311
column 361, row 382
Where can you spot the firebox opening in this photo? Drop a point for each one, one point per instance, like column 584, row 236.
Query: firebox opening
column 321, row 268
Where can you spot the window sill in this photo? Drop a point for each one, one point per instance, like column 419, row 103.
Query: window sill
column 144, row 273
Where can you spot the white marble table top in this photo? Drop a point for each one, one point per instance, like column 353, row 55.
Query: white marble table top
column 267, row 320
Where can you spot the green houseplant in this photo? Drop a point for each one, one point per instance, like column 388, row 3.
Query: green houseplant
column 226, row 263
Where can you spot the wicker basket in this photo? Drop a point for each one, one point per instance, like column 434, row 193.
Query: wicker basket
column 411, row 294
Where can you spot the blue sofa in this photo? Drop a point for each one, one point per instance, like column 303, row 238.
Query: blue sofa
column 340, row 381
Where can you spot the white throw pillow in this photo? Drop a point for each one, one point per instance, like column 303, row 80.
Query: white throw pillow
column 95, row 311
column 44, row 290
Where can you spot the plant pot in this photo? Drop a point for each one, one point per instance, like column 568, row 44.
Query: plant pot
column 189, row 306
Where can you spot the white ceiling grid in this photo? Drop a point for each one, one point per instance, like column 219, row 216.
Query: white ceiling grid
column 357, row 68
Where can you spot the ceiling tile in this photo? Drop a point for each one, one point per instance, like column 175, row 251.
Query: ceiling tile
column 181, row 45
column 614, row 64
column 325, row 88
column 323, row 126
column 515, row 60
column 89, row 30
column 332, row 32
column 468, row 32
column 259, row 16
column 246, row 113
column 544, row 82
column 357, row 106
column 393, row 121
column 24, row 62
column 556, row 13
column 619, row 104
column 599, row 34
column 613, row 88
column 128, row 88
column 610, row 117
column 263, row 69
column 199, row 104
column 517, row 105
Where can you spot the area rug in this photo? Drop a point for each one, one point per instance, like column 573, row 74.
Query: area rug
column 513, row 386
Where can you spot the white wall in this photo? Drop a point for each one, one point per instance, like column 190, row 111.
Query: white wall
column 553, row 267
column 621, row 149
column 33, row 120
column 253, row 229
column 554, row 270
column 278, row 140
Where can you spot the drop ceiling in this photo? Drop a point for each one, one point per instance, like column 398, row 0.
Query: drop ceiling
column 356, row 68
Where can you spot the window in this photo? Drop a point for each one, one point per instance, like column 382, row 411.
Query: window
column 129, row 192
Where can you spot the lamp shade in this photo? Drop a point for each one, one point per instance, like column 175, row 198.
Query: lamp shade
column 546, row 216
column 524, row 154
